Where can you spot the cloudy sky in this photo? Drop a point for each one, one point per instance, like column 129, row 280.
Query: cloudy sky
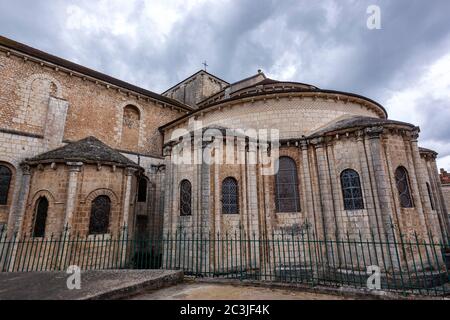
column 405, row 65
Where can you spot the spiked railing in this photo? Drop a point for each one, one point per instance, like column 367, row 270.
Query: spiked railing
column 406, row 264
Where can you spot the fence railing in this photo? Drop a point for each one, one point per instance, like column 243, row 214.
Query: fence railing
column 408, row 264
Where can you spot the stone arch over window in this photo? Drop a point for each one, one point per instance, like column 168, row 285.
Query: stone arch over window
column 100, row 216
column 286, row 186
column 131, row 123
column 403, row 187
column 230, row 196
column 185, row 198
column 114, row 223
column 36, row 93
column 40, row 217
column 6, row 180
column 351, row 190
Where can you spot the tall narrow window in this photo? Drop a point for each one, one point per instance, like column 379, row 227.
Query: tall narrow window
column 40, row 217
column 351, row 190
column 142, row 190
column 402, row 181
column 5, row 181
column 100, row 212
column 185, row 198
column 286, row 186
column 430, row 195
column 230, row 196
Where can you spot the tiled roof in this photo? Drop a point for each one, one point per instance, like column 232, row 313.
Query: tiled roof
column 89, row 150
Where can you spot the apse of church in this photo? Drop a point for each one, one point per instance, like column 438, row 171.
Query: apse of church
column 85, row 153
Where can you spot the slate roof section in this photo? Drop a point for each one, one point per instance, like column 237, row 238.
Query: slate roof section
column 87, row 150
column 17, row 46
column 357, row 122
column 425, row 150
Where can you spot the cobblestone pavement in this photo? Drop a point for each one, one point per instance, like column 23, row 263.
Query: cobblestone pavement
column 204, row 291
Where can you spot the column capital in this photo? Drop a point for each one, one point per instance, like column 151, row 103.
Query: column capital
column 303, row 143
column 26, row 169
column 317, row 142
column 374, row 132
column 129, row 171
column 414, row 134
column 74, row 166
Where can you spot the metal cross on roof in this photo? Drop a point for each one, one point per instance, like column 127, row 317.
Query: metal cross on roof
column 205, row 65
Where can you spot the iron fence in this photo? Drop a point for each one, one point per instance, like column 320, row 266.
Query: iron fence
column 406, row 264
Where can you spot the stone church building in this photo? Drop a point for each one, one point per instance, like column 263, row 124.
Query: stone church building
column 86, row 153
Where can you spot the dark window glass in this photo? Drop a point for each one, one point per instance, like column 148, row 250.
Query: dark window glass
column 142, row 190
column 41, row 217
column 5, row 181
column 230, row 196
column 286, row 186
column 351, row 190
column 430, row 194
column 185, row 198
column 402, row 181
column 100, row 212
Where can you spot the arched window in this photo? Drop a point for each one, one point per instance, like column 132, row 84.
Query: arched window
column 230, row 196
column 351, row 190
column 142, row 190
column 100, row 212
column 40, row 217
column 185, row 198
column 5, row 181
column 286, row 186
column 402, row 181
column 430, row 195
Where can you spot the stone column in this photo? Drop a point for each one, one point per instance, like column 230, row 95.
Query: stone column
column 74, row 169
column 383, row 192
column 324, row 189
column 167, row 218
column 424, row 205
column 129, row 172
column 324, row 192
column 252, row 203
column 307, row 187
column 15, row 221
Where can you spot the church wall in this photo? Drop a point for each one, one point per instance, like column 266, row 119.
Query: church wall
column 446, row 193
column 94, row 182
column 397, row 152
column 42, row 106
column 93, row 108
column 343, row 154
column 288, row 222
column 153, row 209
column 294, row 117
column 13, row 149
column 50, row 183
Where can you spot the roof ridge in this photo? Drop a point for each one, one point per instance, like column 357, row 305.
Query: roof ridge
column 39, row 54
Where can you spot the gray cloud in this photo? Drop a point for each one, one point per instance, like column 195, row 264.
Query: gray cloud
column 325, row 43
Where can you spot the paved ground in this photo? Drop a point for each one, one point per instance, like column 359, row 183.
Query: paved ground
column 206, row 291
column 94, row 284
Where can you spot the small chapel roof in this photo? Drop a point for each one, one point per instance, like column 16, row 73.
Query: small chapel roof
column 88, row 150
